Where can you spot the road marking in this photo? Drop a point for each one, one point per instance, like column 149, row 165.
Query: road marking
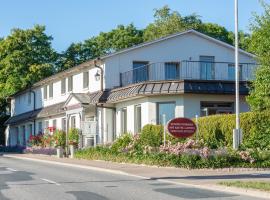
column 50, row 181
column 12, row 170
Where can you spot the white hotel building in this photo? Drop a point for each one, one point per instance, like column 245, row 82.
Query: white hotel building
column 181, row 75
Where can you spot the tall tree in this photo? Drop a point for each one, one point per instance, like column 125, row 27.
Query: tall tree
column 104, row 43
column 259, row 98
column 26, row 56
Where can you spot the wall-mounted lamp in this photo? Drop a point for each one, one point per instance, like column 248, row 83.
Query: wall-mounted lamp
column 97, row 75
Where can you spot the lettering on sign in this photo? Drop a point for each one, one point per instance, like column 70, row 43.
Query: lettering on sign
column 181, row 127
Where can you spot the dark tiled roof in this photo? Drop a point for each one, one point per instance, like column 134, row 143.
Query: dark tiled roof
column 22, row 117
column 48, row 111
column 52, row 110
column 144, row 89
column 175, row 87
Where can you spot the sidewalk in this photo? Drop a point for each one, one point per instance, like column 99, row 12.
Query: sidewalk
column 205, row 178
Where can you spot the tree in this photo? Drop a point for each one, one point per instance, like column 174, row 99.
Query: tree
column 168, row 22
column 259, row 98
column 26, row 56
column 104, row 43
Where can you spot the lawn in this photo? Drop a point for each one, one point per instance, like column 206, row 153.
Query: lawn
column 260, row 185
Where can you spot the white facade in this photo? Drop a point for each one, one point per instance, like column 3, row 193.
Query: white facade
column 188, row 46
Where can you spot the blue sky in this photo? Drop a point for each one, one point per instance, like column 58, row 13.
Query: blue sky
column 76, row 20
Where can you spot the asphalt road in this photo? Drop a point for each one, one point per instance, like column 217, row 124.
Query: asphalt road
column 29, row 180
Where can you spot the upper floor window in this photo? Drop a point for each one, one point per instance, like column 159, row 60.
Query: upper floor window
column 140, row 71
column 207, row 67
column 51, row 90
column 85, row 79
column 231, row 72
column 45, row 92
column 63, row 86
column 29, row 98
column 70, row 83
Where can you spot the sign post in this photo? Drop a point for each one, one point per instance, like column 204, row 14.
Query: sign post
column 197, row 126
column 164, row 129
column 181, row 127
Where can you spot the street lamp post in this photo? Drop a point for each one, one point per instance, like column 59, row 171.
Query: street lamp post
column 237, row 131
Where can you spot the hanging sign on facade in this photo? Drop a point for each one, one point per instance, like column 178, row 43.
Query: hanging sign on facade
column 181, row 127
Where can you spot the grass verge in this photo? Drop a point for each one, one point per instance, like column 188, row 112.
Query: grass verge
column 259, row 185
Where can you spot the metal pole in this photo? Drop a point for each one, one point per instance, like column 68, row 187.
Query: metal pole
column 237, row 119
column 197, row 126
column 164, row 129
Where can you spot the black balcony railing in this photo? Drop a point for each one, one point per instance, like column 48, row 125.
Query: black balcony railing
column 188, row 70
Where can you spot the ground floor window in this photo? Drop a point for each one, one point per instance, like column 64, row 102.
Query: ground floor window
column 23, row 136
column 124, row 120
column 73, row 122
column 167, row 109
column 138, row 119
column 40, row 127
column 212, row 108
column 46, row 124
column 17, row 140
column 64, row 124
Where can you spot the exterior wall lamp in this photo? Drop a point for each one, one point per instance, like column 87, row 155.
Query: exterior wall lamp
column 99, row 75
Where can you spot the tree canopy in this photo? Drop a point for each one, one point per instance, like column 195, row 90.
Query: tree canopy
column 26, row 56
column 259, row 98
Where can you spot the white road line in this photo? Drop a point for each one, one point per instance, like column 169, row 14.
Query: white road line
column 12, row 170
column 50, row 181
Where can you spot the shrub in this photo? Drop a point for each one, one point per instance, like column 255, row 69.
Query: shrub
column 59, row 138
column 121, row 143
column 35, row 140
column 40, row 150
column 73, row 136
column 151, row 135
column 216, row 130
column 47, row 140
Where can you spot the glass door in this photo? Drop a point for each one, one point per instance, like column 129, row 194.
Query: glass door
column 207, row 67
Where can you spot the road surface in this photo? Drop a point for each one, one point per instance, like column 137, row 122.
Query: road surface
column 30, row 180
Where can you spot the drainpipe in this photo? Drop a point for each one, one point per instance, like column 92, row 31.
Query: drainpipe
column 101, row 89
column 34, row 108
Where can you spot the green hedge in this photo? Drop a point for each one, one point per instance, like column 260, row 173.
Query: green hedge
column 216, row 130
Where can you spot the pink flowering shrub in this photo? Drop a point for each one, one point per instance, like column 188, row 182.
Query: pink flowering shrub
column 245, row 155
column 40, row 150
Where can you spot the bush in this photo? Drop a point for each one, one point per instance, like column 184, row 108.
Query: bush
column 59, row 138
column 73, row 136
column 151, row 135
column 35, row 140
column 217, row 130
column 121, row 142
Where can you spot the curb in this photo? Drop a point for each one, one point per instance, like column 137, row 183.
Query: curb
column 232, row 190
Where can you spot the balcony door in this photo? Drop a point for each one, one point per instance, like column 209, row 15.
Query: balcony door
column 171, row 70
column 207, row 67
column 140, row 71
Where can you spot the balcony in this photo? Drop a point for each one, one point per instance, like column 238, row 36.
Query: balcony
column 188, row 70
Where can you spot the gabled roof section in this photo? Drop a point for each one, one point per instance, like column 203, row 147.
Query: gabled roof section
column 191, row 31
column 82, row 98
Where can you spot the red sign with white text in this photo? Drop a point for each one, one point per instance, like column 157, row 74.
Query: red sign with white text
column 181, row 127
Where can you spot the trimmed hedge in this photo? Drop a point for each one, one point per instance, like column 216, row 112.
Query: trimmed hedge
column 217, row 130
